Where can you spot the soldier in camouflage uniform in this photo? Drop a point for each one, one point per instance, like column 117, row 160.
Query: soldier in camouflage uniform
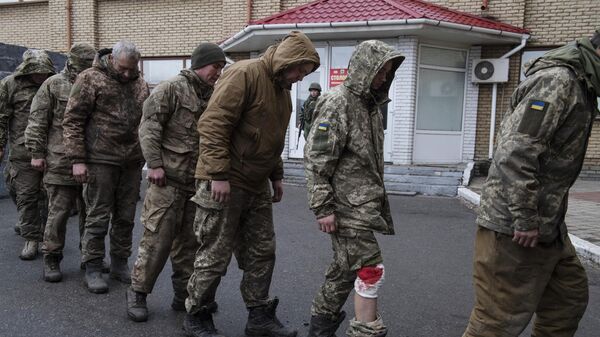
column 169, row 142
column 242, row 134
column 16, row 95
column 343, row 158
column 101, row 140
column 308, row 108
column 524, row 262
column 43, row 138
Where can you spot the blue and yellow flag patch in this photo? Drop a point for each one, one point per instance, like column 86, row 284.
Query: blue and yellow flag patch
column 323, row 127
column 538, row 105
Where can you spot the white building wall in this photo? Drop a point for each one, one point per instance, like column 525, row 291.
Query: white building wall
column 405, row 101
column 470, row 116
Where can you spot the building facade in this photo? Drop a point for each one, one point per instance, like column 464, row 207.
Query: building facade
column 437, row 116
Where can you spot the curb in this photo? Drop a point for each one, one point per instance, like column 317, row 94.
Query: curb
column 585, row 249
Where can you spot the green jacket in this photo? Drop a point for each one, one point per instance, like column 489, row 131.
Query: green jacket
column 168, row 133
column 306, row 113
column 343, row 155
column 539, row 151
column 16, row 95
column 44, row 132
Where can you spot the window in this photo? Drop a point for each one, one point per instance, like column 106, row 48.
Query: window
column 441, row 89
column 155, row 71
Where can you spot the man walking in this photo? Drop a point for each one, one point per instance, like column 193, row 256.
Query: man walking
column 101, row 140
column 16, row 94
column 169, row 141
column 344, row 165
column 524, row 262
column 308, row 108
column 43, row 138
column 242, row 134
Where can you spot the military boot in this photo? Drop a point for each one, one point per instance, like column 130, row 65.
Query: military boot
column 201, row 324
column 137, row 310
column 321, row 326
column 262, row 321
column 52, row 268
column 29, row 251
column 119, row 270
column 178, row 303
column 93, row 277
column 17, row 228
column 105, row 266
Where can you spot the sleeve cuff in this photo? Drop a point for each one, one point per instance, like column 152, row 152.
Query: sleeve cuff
column 219, row 176
column 155, row 163
column 523, row 225
column 38, row 155
column 324, row 210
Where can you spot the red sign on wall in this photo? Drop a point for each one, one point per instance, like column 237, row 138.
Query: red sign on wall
column 337, row 76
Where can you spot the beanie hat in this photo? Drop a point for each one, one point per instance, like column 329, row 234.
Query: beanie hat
column 207, row 53
column 81, row 55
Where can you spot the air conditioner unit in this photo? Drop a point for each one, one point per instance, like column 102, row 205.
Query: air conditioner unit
column 490, row 71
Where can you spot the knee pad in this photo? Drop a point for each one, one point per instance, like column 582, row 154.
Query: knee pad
column 368, row 280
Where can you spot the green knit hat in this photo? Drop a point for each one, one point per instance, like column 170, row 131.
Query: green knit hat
column 207, row 53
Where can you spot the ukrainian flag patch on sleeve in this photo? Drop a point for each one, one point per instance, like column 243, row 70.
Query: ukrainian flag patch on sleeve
column 538, row 105
column 323, row 127
column 533, row 117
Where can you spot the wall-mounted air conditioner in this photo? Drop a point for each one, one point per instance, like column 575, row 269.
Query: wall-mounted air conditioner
column 490, row 71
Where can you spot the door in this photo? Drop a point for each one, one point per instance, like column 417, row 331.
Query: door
column 440, row 106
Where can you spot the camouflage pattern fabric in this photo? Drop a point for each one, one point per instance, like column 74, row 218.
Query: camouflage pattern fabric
column 32, row 202
column 168, row 133
column 16, row 94
column 539, row 152
column 352, row 250
column 361, row 329
column 343, row 156
column 103, row 115
column 62, row 199
column 243, row 227
column 168, row 219
column 306, row 113
column 110, row 195
column 44, row 132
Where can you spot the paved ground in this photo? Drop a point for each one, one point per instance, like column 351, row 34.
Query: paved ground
column 427, row 291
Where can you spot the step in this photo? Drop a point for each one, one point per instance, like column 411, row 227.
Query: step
column 440, row 190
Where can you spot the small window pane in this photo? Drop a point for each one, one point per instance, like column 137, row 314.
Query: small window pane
column 440, row 100
column 443, row 57
column 160, row 70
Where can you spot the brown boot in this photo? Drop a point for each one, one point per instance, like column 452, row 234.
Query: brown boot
column 52, row 268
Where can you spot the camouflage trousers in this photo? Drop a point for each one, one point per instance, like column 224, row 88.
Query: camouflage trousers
column 352, row 250
column 31, row 199
column 168, row 219
column 61, row 200
column 110, row 195
column 512, row 283
column 243, row 227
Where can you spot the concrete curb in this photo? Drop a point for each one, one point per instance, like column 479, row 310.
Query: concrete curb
column 585, row 249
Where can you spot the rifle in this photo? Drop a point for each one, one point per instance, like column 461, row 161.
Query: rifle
column 301, row 127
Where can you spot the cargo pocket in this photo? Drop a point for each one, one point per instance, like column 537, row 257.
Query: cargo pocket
column 156, row 204
column 208, row 214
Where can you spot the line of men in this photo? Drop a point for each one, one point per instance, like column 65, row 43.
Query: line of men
column 524, row 261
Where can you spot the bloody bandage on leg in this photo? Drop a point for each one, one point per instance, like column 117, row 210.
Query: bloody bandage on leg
column 368, row 280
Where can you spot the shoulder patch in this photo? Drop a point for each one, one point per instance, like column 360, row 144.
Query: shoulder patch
column 323, row 127
column 533, row 116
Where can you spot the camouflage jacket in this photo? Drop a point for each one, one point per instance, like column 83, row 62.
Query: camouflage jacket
column 306, row 113
column 103, row 115
column 242, row 132
column 343, row 155
column 168, row 133
column 16, row 95
column 43, row 135
column 539, row 152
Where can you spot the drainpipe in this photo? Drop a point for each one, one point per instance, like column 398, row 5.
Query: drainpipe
column 495, row 95
column 485, row 4
column 68, row 8
column 248, row 11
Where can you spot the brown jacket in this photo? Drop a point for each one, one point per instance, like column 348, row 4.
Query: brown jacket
column 103, row 115
column 242, row 131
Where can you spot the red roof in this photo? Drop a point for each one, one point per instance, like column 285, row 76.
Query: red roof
column 321, row 11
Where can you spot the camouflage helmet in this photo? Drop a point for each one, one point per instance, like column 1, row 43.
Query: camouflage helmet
column 314, row 86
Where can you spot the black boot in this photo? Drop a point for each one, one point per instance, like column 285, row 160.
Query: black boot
column 119, row 270
column 321, row 326
column 137, row 310
column 52, row 268
column 105, row 266
column 262, row 321
column 178, row 304
column 93, row 277
column 201, row 324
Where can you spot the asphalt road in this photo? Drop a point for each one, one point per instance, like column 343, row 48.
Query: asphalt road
column 427, row 291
